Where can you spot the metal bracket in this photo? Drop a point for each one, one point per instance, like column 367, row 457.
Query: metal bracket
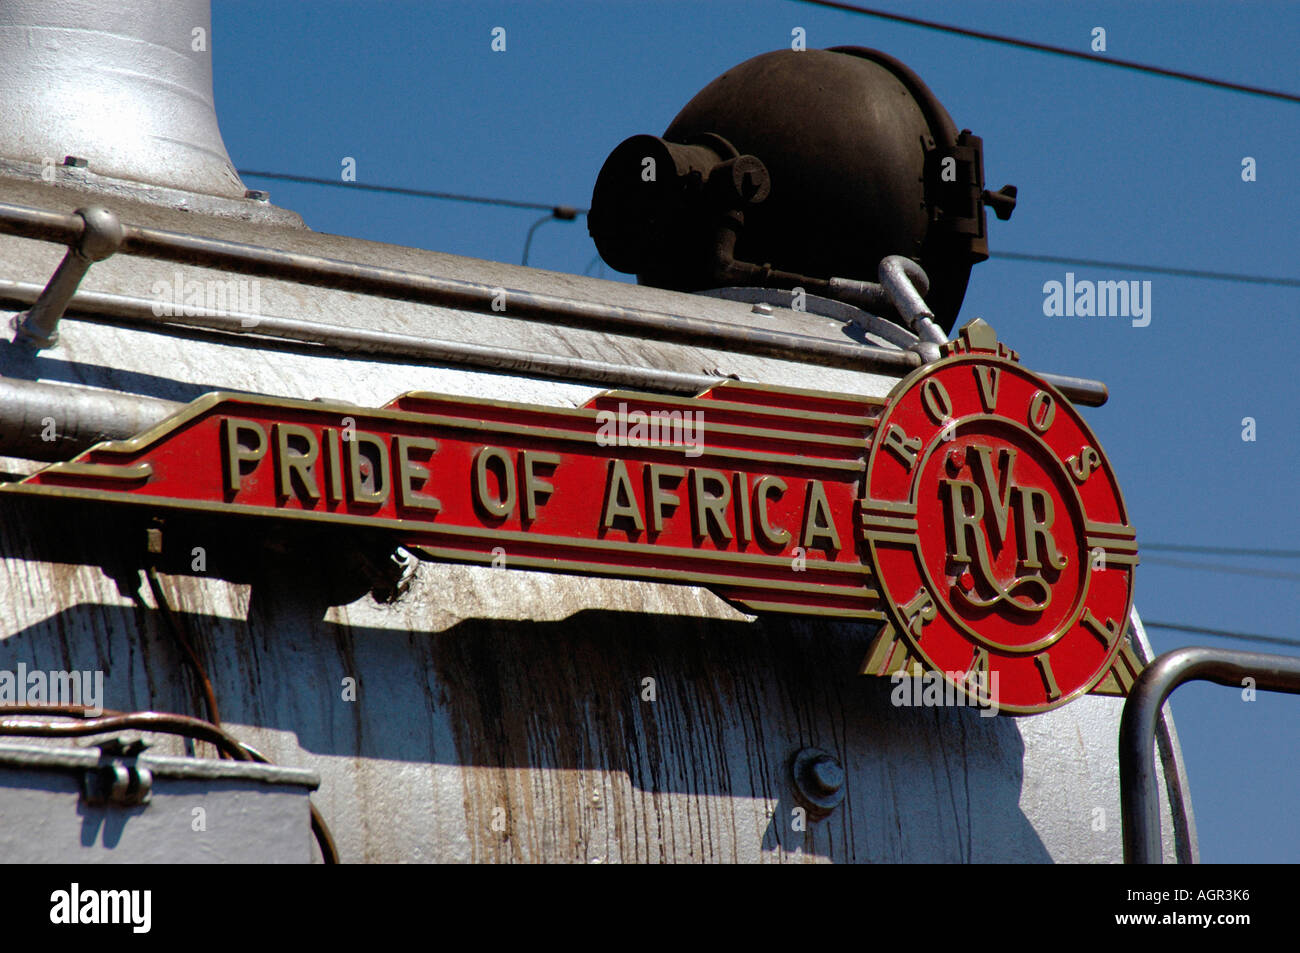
column 119, row 779
column 1138, row 791
column 101, row 235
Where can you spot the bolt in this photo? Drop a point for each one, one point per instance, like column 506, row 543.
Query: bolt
column 818, row 781
column 826, row 775
column 762, row 307
column 257, row 195
column 956, row 460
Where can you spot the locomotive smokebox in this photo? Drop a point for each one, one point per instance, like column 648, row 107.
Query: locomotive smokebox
column 796, row 167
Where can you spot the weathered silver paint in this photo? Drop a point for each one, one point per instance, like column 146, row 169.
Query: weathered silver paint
column 201, row 811
column 323, row 272
column 126, row 86
column 501, row 714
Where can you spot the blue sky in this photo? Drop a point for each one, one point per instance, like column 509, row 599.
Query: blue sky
column 1111, row 165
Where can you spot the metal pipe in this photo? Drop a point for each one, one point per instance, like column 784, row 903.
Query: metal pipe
column 57, row 421
column 282, row 265
column 449, row 292
column 867, row 295
column 1139, row 794
column 139, row 312
column 902, row 284
column 906, row 282
column 101, row 235
column 402, row 285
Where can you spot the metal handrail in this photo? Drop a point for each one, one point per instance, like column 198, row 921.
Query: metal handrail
column 1138, row 789
column 278, row 264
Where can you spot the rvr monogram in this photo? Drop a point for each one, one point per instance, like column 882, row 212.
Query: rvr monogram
column 980, row 517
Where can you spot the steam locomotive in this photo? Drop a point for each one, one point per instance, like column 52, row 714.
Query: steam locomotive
column 739, row 572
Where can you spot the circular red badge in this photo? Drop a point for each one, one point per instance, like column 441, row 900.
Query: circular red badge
column 997, row 530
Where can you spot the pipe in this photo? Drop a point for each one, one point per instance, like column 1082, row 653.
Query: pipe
column 402, row 285
column 41, row 421
column 903, row 282
column 906, row 282
column 101, row 236
column 139, row 312
column 1138, row 790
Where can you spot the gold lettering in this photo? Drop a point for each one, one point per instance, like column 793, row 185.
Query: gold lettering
column 497, row 506
column 1032, row 529
column 357, row 492
column 711, row 507
column 904, row 447
column 528, row 459
column 1042, row 411
column 937, row 402
column 977, row 673
column 988, row 378
column 237, row 450
column 333, row 466
column 817, row 520
column 1107, row 631
column 1049, row 680
column 1083, row 465
column 745, row 524
column 963, row 522
column 997, row 486
column 918, row 611
column 620, row 499
column 408, row 471
column 656, row 496
column 290, row 462
column 763, row 489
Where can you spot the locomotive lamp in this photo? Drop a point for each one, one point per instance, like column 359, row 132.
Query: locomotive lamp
column 795, row 168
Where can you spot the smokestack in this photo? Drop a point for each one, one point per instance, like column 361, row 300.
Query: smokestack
column 125, row 85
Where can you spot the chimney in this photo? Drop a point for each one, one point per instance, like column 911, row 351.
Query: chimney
column 126, row 86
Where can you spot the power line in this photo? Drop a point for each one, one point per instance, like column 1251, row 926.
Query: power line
column 563, row 212
column 1056, row 50
column 1218, row 567
column 559, row 211
column 1222, row 633
column 1221, row 550
column 1153, row 269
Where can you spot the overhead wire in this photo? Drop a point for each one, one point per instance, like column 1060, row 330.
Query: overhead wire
column 1222, row 633
column 1222, row 550
column 567, row 212
column 1056, row 50
column 1221, row 568
column 556, row 210
column 1152, row 269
